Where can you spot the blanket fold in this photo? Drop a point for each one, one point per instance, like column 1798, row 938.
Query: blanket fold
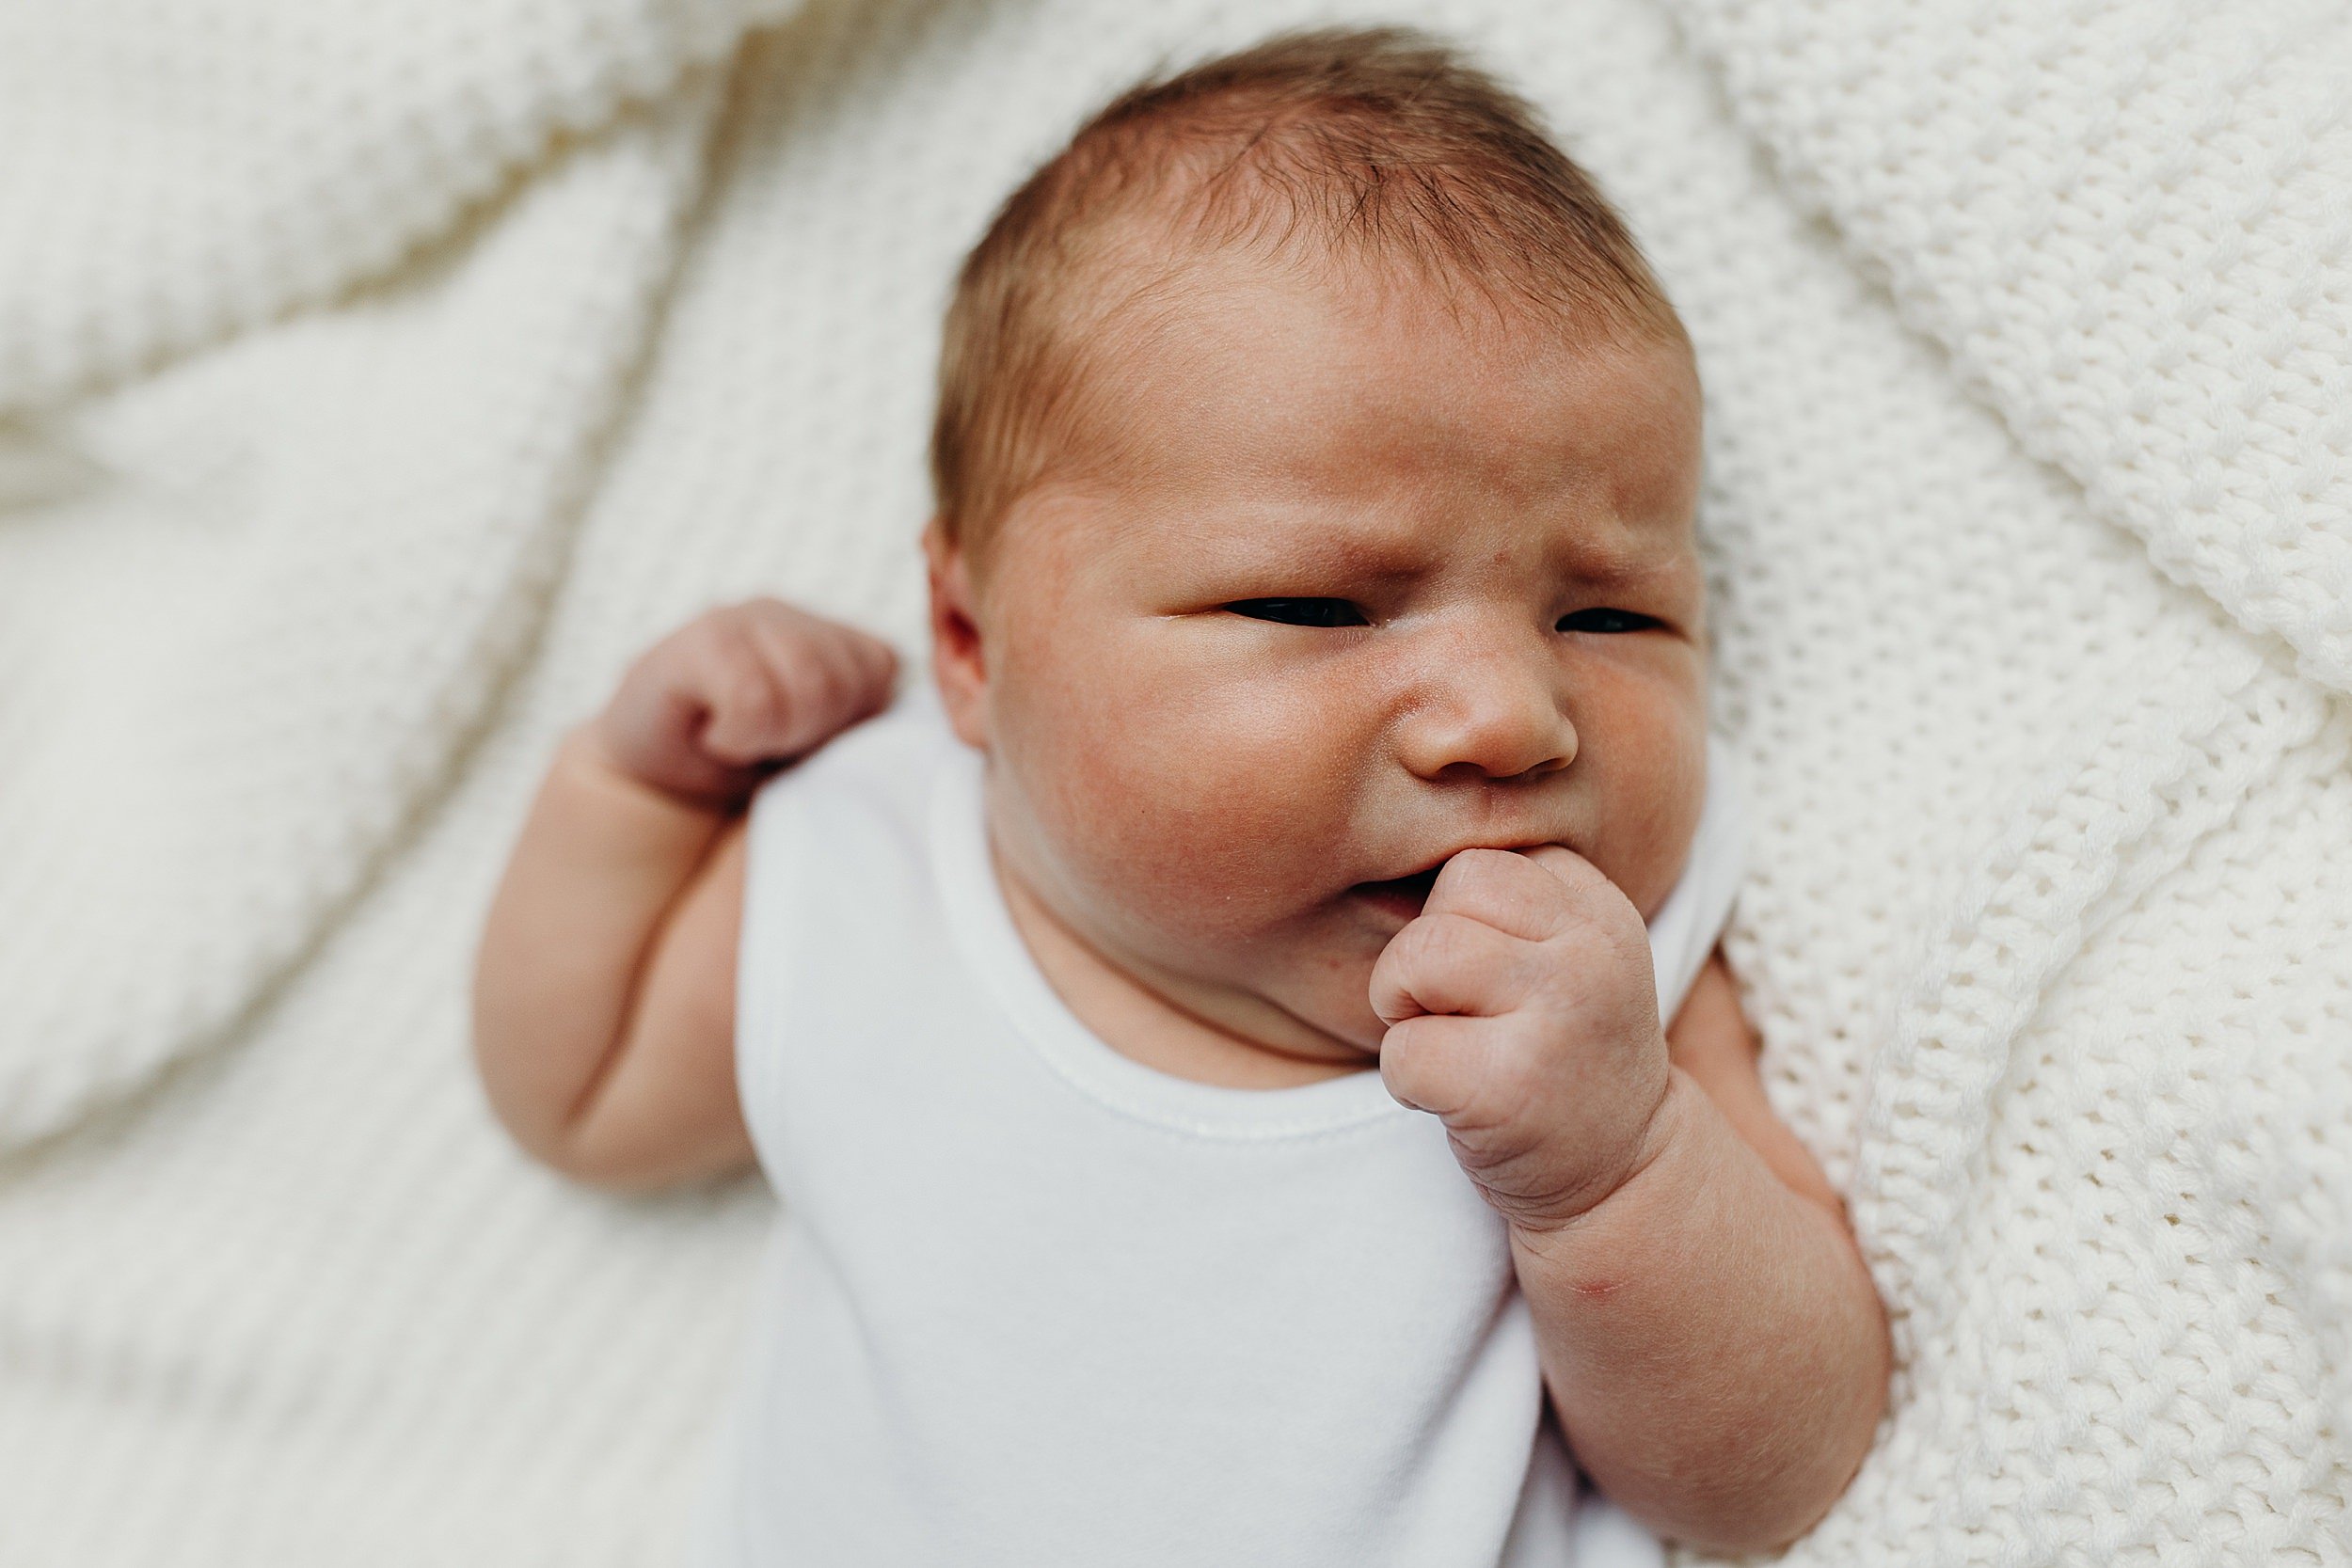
column 180, row 173
column 251, row 644
column 2127, row 222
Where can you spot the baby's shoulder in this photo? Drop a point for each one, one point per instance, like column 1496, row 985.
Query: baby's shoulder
column 884, row 766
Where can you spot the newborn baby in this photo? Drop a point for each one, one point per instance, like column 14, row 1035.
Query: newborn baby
column 1210, row 1054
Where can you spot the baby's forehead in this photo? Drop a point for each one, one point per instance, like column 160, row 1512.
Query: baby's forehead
column 1237, row 367
column 1222, row 490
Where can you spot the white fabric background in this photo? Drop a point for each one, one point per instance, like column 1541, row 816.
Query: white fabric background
column 372, row 386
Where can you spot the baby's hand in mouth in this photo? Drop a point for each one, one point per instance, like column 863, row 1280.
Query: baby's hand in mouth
column 1523, row 1011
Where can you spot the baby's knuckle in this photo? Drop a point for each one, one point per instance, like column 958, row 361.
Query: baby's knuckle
column 1587, row 947
column 1573, row 943
column 733, row 620
column 796, row 670
column 1415, row 1065
column 1402, row 1047
column 767, row 609
column 752, row 697
column 1404, row 948
column 823, row 686
column 696, row 648
column 1436, row 941
column 1517, row 1069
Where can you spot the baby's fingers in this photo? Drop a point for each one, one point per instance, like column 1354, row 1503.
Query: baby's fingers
column 751, row 705
column 1434, row 1063
column 1534, row 894
column 865, row 664
column 788, row 685
column 876, row 660
column 1492, row 1094
column 1449, row 963
column 859, row 672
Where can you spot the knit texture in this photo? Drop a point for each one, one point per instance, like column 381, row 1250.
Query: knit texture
column 372, row 388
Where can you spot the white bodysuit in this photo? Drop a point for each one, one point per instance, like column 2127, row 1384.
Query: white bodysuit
column 1032, row 1304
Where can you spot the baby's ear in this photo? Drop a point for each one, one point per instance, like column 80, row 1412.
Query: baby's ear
column 958, row 662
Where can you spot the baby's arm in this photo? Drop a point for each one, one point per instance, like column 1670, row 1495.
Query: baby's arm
column 1710, row 1340
column 604, row 989
column 1709, row 1332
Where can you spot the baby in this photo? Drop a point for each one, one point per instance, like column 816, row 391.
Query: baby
column 1210, row 1055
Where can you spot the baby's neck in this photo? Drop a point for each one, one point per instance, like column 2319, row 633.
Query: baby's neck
column 1142, row 1022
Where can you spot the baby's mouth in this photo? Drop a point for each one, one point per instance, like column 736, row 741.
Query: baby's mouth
column 1403, row 895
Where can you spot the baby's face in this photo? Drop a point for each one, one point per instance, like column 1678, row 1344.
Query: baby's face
column 1354, row 587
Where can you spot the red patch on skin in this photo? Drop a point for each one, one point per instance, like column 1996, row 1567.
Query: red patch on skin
column 1596, row 1290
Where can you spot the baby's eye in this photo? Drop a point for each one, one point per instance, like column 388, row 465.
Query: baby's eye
column 1301, row 612
column 1605, row 621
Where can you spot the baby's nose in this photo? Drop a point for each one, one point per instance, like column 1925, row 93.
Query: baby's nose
column 1487, row 706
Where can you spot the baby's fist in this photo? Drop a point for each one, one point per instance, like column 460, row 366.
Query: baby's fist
column 1523, row 1011
column 703, row 711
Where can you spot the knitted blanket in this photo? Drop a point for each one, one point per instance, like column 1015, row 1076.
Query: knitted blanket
column 376, row 380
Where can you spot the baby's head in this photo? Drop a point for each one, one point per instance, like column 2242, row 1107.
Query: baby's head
column 1315, row 463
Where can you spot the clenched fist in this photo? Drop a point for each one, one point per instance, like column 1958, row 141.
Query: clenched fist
column 1523, row 1011
column 706, row 711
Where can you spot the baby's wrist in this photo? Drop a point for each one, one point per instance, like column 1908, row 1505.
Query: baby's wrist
column 1640, row 1196
column 587, row 753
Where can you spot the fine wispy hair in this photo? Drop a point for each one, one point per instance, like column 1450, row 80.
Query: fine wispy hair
column 1367, row 152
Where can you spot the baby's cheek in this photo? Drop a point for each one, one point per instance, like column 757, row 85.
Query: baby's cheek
column 1211, row 836
column 1653, row 796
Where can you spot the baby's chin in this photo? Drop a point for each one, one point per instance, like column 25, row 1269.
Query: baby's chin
column 1347, row 1035
column 1327, row 995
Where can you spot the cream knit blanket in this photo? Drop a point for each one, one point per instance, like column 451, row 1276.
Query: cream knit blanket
column 376, row 379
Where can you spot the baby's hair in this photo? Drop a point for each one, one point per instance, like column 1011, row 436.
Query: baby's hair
column 1376, row 146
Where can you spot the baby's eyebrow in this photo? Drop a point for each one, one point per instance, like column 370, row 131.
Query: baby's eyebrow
column 1303, row 536
column 1308, row 568
column 1613, row 545
column 1622, row 562
column 1374, row 550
